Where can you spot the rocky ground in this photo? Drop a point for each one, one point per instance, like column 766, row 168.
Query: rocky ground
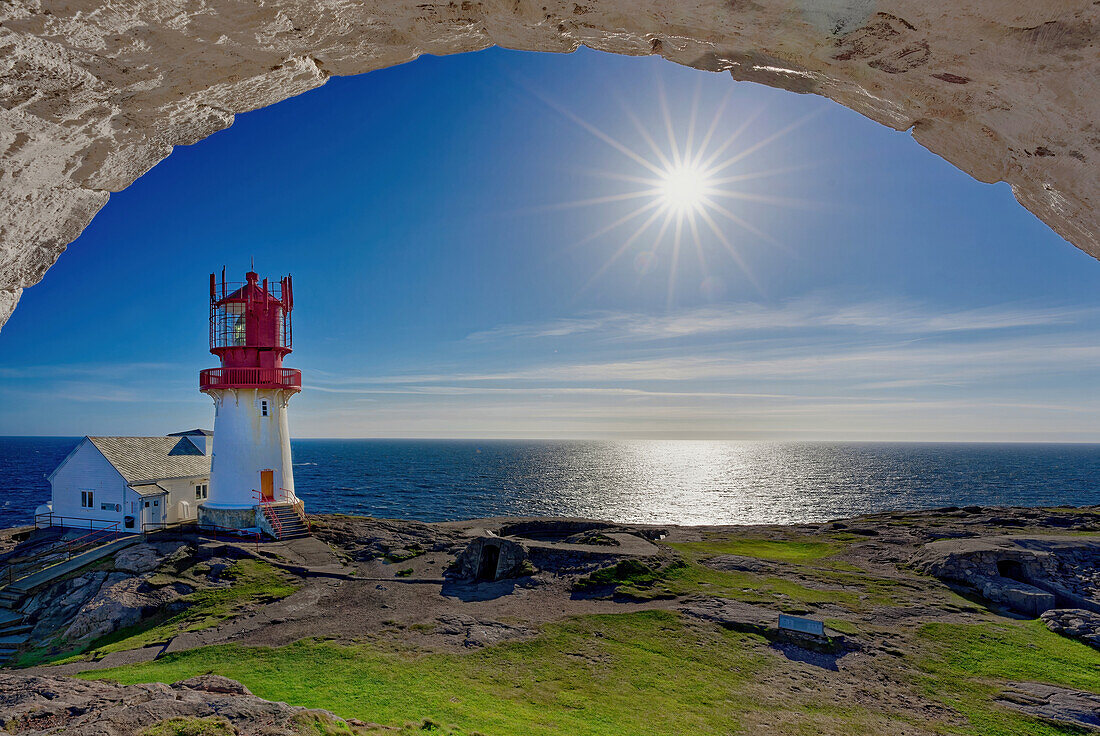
column 891, row 588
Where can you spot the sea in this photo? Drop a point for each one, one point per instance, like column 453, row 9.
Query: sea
column 641, row 481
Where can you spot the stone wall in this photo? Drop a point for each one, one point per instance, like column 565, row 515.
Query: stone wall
column 1029, row 575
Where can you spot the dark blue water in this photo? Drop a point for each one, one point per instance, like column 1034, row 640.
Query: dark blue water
column 685, row 482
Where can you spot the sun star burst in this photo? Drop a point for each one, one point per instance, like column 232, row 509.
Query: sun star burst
column 680, row 189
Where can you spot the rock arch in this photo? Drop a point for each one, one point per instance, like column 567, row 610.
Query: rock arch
column 93, row 95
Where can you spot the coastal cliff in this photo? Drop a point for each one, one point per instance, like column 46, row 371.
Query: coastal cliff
column 968, row 620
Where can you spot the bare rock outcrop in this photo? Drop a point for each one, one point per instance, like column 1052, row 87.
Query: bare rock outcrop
column 1076, row 623
column 1029, row 575
column 33, row 706
column 1061, row 705
column 121, row 601
column 92, row 97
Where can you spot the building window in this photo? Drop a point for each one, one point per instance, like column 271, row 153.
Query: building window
column 263, row 408
column 86, row 500
column 202, row 490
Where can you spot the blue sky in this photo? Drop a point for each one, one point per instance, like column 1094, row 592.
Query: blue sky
column 449, row 227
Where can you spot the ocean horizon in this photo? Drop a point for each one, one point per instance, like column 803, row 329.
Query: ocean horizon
column 638, row 481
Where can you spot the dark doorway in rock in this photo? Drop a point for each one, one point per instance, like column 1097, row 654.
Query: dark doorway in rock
column 487, row 565
column 1012, row 570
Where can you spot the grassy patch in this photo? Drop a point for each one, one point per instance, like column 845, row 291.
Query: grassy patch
column 966, row 666
column 252, row 582
column 191, row 727
column 820, row 579
column 781, row 593
column 797, row 551
column 401, row 555
column 611, row 675
column 625, row 572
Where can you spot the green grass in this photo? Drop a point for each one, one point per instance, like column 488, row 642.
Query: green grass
column 832, row 581
column 191, row 727
column 825, row 580
column 630, row 572
column 966, row 666
column 611, row 675
column 252, row 582
column 797, row 551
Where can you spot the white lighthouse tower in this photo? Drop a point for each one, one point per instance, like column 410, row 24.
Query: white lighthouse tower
column 251, row 477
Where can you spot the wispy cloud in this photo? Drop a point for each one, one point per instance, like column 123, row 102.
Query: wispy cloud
column 802, row 314
column 894, row 365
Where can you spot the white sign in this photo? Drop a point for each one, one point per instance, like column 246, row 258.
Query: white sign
column 803, row 625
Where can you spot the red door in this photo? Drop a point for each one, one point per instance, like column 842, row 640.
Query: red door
column 267, row 485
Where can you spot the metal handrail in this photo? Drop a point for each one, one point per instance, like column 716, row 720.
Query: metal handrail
column 230, row 377
column 271, row 516
column 69, row 547
column 53, row 519
column 299, row 507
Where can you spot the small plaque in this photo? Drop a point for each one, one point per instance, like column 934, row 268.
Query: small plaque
column 802, row 625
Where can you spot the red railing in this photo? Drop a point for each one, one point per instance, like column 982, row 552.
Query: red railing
column 289, row 378
column 269, row 514
column 63, row 550
column 42, row 521
column 300, row 509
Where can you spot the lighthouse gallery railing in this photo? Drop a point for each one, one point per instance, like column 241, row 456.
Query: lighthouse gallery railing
column 250, row 378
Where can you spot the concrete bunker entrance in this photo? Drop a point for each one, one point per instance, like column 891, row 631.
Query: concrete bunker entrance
column 1011, row 569
column 488, row 562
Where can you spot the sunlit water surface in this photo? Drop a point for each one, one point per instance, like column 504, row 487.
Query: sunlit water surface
column 681, row 482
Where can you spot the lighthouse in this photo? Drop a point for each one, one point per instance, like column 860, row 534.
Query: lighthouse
column 251, row 477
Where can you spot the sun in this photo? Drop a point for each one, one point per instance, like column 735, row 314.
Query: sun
column 684, row 188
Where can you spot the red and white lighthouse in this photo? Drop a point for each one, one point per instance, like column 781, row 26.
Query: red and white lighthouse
column 250, row 332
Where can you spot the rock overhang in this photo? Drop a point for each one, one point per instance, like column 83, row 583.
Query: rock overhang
column 93, row 96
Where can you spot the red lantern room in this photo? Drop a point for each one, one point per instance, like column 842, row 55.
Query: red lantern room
column 250, row 332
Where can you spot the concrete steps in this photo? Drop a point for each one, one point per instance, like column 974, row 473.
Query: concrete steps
column 290, row 525
column 15, row 640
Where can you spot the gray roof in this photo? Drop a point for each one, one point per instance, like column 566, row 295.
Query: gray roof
column 193, row 433
column 149, row 489
column 152, row 458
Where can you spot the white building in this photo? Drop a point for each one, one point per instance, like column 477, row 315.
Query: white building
column 135, row 482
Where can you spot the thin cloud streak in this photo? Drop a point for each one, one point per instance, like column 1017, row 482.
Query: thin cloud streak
column 891, row 317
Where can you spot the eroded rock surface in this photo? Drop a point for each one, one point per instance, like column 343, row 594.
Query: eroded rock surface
column 1059, row 704
column 1029, row 575
column 1076, row 623
column 31, row 705
column 91, row 96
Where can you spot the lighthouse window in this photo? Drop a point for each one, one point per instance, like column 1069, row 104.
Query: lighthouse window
column 263, row 408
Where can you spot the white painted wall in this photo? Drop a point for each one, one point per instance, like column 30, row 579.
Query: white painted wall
column 87, row 470
column 246, row 442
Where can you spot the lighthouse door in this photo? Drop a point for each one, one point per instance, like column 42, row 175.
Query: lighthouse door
column 267, row 484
